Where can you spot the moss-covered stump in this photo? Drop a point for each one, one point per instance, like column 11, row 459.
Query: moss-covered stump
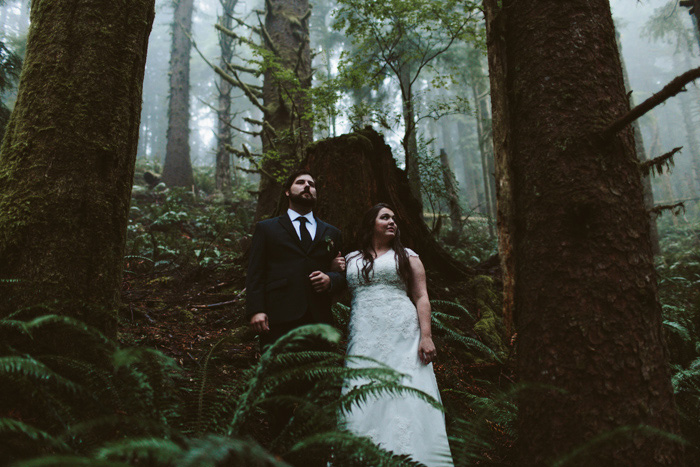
column 356, row 171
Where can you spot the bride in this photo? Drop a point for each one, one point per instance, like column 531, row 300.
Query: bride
column 390, row 323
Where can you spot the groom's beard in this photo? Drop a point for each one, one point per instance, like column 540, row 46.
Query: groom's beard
column 301, row 200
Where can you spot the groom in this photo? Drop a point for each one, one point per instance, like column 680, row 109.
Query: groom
column 289, row 272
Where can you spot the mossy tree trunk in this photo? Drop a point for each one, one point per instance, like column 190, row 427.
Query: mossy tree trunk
column 287, row 80
column 177, row 169
column 67, row 161
column 584, row 285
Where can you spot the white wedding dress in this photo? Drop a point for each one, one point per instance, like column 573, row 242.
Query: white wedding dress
column 384, row 326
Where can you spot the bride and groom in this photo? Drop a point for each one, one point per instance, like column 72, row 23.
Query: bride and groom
column 292, row 273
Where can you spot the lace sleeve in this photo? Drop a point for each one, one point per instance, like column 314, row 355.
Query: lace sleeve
column 410, row 252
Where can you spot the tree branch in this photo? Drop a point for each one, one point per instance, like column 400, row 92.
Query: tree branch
column 676, row 86
column 657, row 164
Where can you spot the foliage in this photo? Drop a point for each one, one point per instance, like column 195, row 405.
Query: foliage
column 172, row 227
column 679, row 293
column 665, row 24
column 95, row 403
column 10, row 65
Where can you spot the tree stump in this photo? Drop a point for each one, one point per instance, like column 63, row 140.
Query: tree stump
column 356, row 171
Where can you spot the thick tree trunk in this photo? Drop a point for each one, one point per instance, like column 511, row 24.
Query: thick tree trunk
column 223, row 134
column 287, row 128
column 67, row 161
column 587, row 314
column 177, row 170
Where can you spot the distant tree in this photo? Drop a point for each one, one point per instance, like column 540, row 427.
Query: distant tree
column 575, row 234
column 177, row 169
column 283, row 59
column 67, row 159
column 223, row 111
column 10, row 64
column 402, row 38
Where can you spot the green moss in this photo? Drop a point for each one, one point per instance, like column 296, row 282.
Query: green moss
column 491, row 331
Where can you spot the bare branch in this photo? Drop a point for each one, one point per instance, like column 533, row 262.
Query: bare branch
column 657, row 164
column 252, row 158
column 675, row 209
column 676, row 86
column 242, row 69
column 252, row 121
column 235, row 36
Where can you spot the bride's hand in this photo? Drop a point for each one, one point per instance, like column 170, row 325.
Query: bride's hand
column 338, row 263
column 426, row 350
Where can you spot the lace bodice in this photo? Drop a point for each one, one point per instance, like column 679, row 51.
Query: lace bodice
column 379, row 306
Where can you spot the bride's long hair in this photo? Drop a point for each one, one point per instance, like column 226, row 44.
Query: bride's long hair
column 366, row 231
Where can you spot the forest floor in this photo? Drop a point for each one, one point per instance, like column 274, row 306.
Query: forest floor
column 183, row 302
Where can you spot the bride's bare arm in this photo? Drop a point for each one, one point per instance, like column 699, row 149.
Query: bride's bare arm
column 419, row 295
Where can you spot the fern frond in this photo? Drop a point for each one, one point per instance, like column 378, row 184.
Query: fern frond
column 679, row 329
column 469, row 343
column 37, row 372
column 360, row 395
column 10, row 426
column 153, row 450
column 221, row 450
column 348, row 450
column 68, row 461
column 452, row 306
column 295, row 339
column 74, row 325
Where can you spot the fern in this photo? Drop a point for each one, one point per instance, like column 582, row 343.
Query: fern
column 152, row 450
column 452, row 306
column 37, row 372
column 69, row 461
column 10, row 427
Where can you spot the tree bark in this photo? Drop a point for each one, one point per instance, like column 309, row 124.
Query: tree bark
column 589, row 323
column 67, row 161
column 224, row 135
column 287, row 128
column 177, row 170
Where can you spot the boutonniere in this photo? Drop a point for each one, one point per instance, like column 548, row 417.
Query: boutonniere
column 330, row 245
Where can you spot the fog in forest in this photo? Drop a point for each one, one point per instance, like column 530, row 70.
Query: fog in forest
column 653, row 54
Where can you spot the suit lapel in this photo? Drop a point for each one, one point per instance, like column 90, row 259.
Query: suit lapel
column 286, row 222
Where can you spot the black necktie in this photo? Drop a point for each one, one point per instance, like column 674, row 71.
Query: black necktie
column 305, row 235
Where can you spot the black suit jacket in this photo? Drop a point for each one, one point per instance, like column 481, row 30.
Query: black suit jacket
column 278, row 271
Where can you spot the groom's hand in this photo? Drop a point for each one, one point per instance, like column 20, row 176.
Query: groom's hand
column 320, row 281
column 259, row 322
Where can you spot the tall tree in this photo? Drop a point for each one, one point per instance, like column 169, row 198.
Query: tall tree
column 67, row 160
column 223, row 111
column 402, row 38
column 285, row 97
column 284, row 61
column 177, row 170
column 579, row 254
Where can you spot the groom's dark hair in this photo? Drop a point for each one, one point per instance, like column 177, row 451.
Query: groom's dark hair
column 290, row 180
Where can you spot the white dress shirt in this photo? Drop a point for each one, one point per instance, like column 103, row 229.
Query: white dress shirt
column 310, row 224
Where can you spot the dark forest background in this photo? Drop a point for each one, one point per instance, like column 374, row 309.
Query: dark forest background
column 544, row 161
